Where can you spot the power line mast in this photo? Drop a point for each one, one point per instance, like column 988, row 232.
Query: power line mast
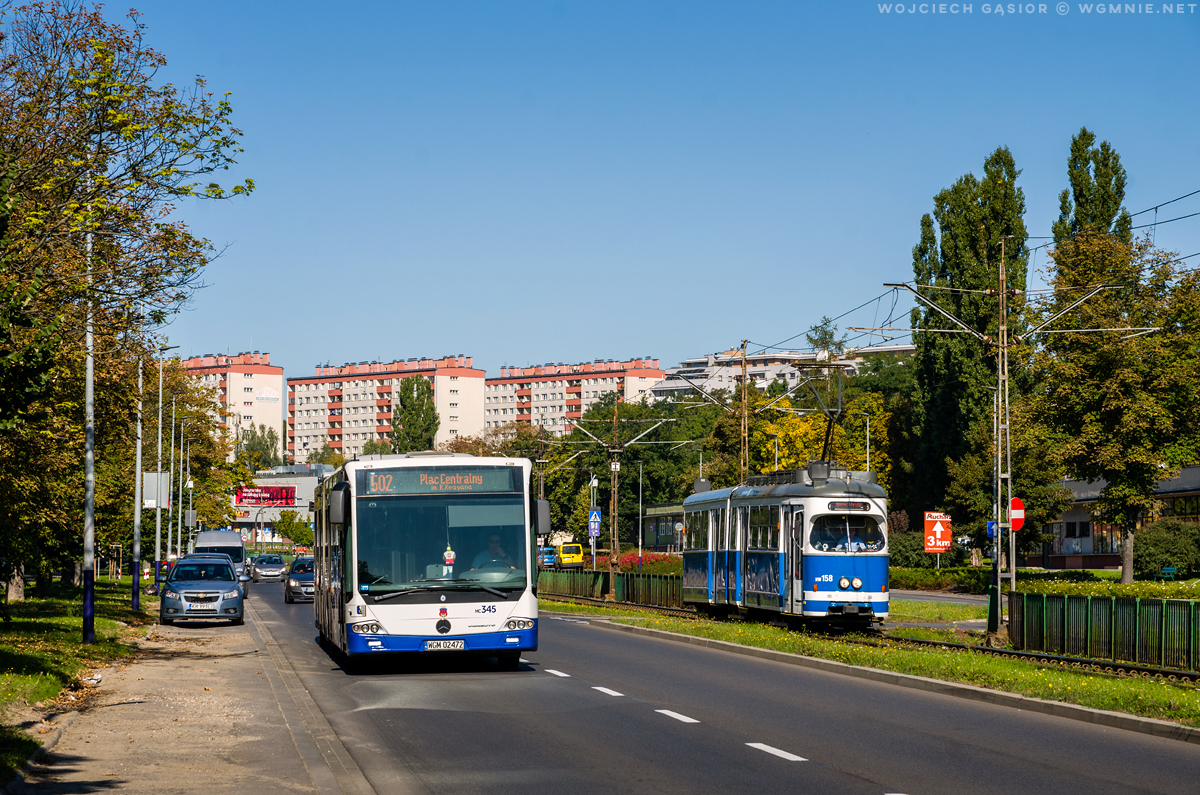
column 744, row 459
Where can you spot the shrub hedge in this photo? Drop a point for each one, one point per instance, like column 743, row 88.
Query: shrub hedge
column 1167, row 542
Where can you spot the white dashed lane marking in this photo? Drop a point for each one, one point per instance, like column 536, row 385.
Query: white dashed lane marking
column 777, row 752
column 676, row 716
column 609, row 692
column 556, row 673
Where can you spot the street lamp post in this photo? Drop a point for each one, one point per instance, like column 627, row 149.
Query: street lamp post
column 641, row 526
column 158, row 497
column 136, row 568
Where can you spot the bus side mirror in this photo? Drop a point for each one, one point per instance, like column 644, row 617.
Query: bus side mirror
column 339, row 503
column 543, row 517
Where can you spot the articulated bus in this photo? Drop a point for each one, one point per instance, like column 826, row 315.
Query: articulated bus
column 428, row 552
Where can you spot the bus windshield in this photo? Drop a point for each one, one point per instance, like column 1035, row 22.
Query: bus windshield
column 439, row 541
column 846, row 533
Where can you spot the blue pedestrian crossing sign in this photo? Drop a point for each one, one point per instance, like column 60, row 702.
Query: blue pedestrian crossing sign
column 594, row 522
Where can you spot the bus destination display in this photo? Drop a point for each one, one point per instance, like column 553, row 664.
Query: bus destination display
column 483, row 480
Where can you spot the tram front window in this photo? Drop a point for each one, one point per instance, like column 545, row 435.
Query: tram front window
column 422, row 542
column 846, row 533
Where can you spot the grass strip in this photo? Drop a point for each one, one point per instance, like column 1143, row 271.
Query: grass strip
column 1147, row 698
column 588, row 609
column 904, row 610
column 42, row 652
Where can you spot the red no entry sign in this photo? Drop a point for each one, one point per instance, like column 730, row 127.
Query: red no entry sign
column 1016, row 513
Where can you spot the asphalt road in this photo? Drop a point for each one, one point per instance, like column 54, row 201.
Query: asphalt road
column 599, row 711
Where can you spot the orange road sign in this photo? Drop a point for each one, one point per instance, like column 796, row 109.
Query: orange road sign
column 938, row 532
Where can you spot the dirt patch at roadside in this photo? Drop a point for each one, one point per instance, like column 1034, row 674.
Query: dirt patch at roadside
column 194, row 712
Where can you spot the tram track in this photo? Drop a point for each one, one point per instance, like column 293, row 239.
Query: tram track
column 1102, row 667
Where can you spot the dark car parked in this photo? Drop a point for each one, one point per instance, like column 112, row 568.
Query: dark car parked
column 299, row 581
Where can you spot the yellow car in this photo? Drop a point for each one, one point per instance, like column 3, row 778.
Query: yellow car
column 568, row 556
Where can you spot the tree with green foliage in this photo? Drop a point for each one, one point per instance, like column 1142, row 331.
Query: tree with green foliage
column 1093, row 202
column 377, row 447
column 1121, row 406
column 291, row 525
column 325, row 454
column 956, row 259
column 259, row 447
column 414, row 416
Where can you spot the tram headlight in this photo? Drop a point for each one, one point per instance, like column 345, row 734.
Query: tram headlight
column 844, row 583
column 857, row 583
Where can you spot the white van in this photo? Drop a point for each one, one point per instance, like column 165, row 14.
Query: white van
column 223, row 541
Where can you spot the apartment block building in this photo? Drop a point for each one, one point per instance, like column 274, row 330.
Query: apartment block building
column 248, row 386
column 556, row 395
column 347, row 406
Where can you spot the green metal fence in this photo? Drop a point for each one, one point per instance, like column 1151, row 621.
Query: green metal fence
column 591, row 584
column 660, row 590
column 1157, row 632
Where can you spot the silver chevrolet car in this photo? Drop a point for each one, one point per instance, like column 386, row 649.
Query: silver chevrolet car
column 202, row 586
column 268, row 568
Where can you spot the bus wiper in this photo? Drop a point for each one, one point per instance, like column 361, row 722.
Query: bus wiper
column 453, row 587
column 465, row 586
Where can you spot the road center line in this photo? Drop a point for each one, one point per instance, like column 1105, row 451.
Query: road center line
column 676, row 716
column 609, row 692
column 556, row 673
column 777, row 752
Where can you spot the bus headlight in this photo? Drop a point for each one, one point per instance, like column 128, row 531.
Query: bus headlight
column 519, row 623
column 844, row 583
column 857, row 583
column 366, row 628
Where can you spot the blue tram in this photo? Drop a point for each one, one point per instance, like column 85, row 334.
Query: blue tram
column 807, row 544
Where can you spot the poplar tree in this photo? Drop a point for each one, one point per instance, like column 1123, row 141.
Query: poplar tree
column 955, row 260
column 414, row 416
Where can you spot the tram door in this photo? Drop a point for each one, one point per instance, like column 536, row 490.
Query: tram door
column 724, row 583
column 795, row 559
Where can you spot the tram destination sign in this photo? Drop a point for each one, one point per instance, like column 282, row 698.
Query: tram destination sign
column 404, row 482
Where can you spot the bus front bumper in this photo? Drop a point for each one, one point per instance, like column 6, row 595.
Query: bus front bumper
column 482, row 643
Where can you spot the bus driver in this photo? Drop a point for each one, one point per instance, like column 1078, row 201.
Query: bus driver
column 494, row 556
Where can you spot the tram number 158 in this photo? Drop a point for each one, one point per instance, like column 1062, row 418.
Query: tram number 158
column 825, row 578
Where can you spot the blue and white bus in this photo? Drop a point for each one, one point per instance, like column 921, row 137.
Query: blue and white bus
column 428, row 552
column 807, row 544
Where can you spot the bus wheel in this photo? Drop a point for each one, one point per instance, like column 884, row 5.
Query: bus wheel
column 508, row 661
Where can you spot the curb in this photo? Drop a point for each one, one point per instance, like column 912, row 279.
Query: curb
column 1098, row 717
column 314, row 738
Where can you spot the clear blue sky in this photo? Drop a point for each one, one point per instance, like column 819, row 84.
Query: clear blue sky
column 529, row 182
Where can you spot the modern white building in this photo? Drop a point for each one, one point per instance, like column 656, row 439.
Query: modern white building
column 724, row 370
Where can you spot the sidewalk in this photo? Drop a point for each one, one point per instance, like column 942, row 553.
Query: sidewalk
column 205, row 708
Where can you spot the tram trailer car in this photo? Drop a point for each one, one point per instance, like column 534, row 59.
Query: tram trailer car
column 429, row 552
column 807, row 545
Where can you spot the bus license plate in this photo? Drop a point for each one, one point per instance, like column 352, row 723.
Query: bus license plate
column 445, row 645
